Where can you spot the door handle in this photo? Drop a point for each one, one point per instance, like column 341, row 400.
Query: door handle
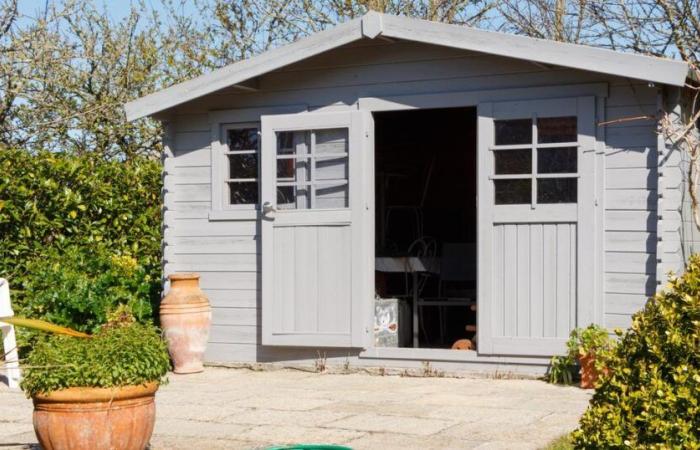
column 268, row 208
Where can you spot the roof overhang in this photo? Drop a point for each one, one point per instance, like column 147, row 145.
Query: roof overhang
column 373, row 25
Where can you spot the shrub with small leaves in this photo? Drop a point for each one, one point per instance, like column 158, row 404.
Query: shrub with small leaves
column 650, row 397
column 120, row 354
column 80, row 287
column 51, row 203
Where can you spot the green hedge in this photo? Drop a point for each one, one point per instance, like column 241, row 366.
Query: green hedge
column 651, row 395
column 65, row 222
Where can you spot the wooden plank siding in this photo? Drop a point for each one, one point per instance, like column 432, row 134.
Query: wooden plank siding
column 227, row 252
column 679, row 236
column 631, row 203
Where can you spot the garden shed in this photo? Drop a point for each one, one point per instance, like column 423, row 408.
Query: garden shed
column 375, row 192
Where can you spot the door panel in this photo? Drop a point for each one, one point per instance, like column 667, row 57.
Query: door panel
column 536, row 210
column 536, row 294
column 314, row 282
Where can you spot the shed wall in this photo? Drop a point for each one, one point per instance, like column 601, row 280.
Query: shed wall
column 679, row 235
column 227, row 253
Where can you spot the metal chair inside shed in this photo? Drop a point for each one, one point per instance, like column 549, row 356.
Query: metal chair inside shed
column 457, row 274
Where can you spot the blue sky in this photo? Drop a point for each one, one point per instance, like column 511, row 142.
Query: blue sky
column 117, row 9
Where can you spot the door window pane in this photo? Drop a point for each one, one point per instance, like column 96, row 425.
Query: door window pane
column 243, row 165
column 331, row 168
column 243, row 193
column 556, row 190
column 317, row 162
column 293, row 197
column 242, row 139
column 556, row 129
column 291, row 169
column 331, row 141
column 511, row 132
column 287, row 142
column 513, row 192
column 557, row 160
column 332, row 196
column 513, row 161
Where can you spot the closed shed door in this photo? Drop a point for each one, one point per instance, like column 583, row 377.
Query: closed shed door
column 536, row 224
column 313, row 257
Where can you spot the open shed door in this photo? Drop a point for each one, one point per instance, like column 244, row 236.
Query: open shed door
column 314, row 237
column 536, row 224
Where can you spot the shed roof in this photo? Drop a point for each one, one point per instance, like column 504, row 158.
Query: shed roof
column 373, row 25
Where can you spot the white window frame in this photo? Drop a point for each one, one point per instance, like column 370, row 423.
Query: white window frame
column 220, row 122
column 312, row 156
column 225, row 129
column 534, row 146
column 533, row 211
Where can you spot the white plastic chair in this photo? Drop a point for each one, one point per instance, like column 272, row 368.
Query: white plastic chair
column 11, row 364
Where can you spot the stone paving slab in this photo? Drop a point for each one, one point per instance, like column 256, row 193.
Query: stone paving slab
column 243, row 409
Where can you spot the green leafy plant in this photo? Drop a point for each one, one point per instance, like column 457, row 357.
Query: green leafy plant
column 561, row 370
column 53, row 205
column 582, row 341
column 119, row 354
column 79, row 288
column 651, row 396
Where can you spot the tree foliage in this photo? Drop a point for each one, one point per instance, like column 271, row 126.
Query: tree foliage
column 66, row 70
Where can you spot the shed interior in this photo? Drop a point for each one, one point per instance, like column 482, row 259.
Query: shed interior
column 426, row 220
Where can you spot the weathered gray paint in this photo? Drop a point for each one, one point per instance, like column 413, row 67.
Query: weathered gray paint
column 227, row 252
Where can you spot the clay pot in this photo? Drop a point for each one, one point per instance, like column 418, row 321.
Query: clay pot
column 589, row 374
column 462, row 344
column 185, row 316
column 96, row 418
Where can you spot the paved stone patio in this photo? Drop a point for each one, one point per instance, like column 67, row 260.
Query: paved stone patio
column 245, row 409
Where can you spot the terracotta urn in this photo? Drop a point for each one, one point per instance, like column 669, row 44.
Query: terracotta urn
column 96, row 418
column 589, row 374
column 185, row 316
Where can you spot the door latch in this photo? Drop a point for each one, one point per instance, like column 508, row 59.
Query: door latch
column 268, row 208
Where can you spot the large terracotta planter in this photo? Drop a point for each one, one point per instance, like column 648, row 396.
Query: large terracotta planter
column 96, row 418
column 185, row 316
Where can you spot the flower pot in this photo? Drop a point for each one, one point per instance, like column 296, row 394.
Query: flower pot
column 185, row 316
column 96, row 418
column 589, row 374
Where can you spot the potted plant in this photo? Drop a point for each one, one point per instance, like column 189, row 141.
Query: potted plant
column 587, row 347
column 95, row 391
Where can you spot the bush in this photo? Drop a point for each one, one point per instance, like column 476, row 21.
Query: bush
column 651, row 395
column 78, row 288
column 121, row 355
column 71, row 227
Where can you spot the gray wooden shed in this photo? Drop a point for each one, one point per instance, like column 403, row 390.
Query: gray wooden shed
column 289, row 177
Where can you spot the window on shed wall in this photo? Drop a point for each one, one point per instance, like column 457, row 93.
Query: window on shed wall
column 242, row 172
column 536, row 161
